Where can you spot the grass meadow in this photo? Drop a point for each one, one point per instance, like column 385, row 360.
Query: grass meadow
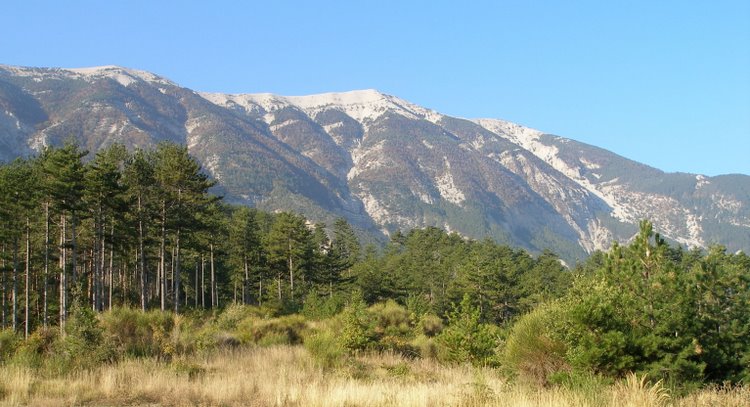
column 287, row 375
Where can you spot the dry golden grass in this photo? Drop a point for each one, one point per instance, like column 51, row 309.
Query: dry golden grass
column 287, row 376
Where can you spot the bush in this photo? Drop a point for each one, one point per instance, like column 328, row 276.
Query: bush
column 264, row 332
column 418, row 305
column 33, row 352
column 430, row 325
column 326, row 350
column 9, row 341
column 356, row 331
column 425, row 346
column 135, row 333
column 465, row 339
column 83, row 345
column 390, row 319
column 318, row 307
column 232, row 315
column 531, row 351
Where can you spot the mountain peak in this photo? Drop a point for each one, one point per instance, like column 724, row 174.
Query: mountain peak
column 363, row 106
column 392, row 171
column 124, row 76
column 355, row 97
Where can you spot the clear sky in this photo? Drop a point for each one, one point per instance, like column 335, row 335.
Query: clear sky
column 666, row 83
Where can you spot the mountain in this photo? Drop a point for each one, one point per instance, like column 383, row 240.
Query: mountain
column 383, row 163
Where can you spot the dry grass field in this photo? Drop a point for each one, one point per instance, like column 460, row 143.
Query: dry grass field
column 288, row 376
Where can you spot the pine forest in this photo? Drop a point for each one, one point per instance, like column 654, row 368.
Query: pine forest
column 123, row 265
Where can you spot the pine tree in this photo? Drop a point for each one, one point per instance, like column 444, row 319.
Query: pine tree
column 244, row 248
column 138, row 177
column 64, row 183
column 183, row 193
column 18, row 194
column 289, row 249
column 345, row 252
column 104, row 199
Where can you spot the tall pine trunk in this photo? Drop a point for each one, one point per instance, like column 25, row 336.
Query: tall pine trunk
column 245, row 282
column 5, row 289
column 28, row 269
column 144, row 275
column 73, row 248
column 14, row 316
column 291, row 272
column 112, row 264
column 46, row 263
column 97, row 260
column 203, row 282
column 177, row 274
column 214, row 298
column 63, row 281
column 162, row 250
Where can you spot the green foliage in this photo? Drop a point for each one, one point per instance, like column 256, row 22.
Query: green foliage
column 317, row 307
column 36, row 349
column 326, row 349
column 418, row 305
column 83, row 345
column 393, row 327
column 289, row 330
column 531, row 349
column 144, row 227
column 466, row 339
column 430, row 325
column 646, row 309
column 425, row 346
column 356, row 331
column 135, row 333
column 231, row 317
column 390, row 319
column 9, row 342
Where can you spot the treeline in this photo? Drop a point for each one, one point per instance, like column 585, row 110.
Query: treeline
column 648, row 307
column 125, row 230
column 140, row 229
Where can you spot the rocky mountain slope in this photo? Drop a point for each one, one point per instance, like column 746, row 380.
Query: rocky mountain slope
column 382, row 162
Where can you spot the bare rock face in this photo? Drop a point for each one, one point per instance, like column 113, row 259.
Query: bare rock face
column 381, row 162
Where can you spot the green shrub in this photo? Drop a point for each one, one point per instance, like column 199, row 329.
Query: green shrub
column 232, row 315
column 425, row 346
column 207, row 338
column 531, row 351
column 33, row 352
column 356, row 330
column 83, row 345
column 326, row 350
column 390, row 319
column 466, row 339
column 284, row 330
column 135, row 333
column 418, row 305
column 397, row 344
column 430, row 325
column 9, row 341
column 317, row 307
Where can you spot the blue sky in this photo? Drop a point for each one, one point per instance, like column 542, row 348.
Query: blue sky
column 666, row 83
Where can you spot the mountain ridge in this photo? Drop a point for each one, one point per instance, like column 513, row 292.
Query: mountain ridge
column 378, row 160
